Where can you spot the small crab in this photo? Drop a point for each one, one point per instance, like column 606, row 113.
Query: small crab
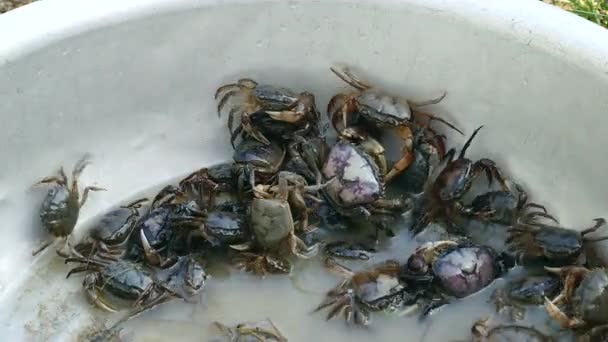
column 224, row 228
column 551, row 245
column 358, row 189
column 504, row 207
column 233, row 177
column 426, row 157
column 114, row 285
column 61, row 206
column 482, row 331
column 279, row 104
column 449, row 269
column 306, row 157
column 531, row 290
column 370, row 106
column 273, row 226
column 109, row 236
column 585, row 293
column 348, row 250
column 375, row 289
column 205, row 183
column 298, row 192
column 260, row 331
column 169, row 212
column 453, row 182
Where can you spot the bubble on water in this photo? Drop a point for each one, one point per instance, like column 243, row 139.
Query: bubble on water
column 283, row 27
column 259, row 43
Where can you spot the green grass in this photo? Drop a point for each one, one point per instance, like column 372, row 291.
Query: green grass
column 592, row 10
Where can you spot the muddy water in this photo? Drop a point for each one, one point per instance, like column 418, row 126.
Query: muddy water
column 54, row 308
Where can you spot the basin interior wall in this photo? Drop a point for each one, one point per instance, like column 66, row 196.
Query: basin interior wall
column 136, row 93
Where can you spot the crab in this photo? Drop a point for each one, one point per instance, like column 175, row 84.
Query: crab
column 61, row 206
column 260, row 331
column 483, row 331
column 447, row 269
column 306, row 157
column 264, row 102
column 585, row 293
column 506, row 208
column 234, row 177
column 551, row 245
column 224, row 228
column 108, row 237
column 273, row 227
column 348, row 250
column 443, row 196
column 377, row 288
column 169, row 213
column 358, row 189
column 369, row 106
column 530, row 290
column 115, row 285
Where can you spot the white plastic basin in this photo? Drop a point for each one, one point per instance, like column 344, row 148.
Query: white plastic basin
column 131, row 82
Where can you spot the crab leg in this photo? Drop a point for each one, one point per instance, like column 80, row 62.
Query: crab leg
column 44, row 245
column 432, row 117
column 86, row 191
column 346, row 76
column 429, row 101
column 405, row 133
column 599, row 222
column 224, row 100
column 559, row 316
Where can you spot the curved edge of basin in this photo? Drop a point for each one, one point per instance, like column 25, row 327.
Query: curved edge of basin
column 532, row 22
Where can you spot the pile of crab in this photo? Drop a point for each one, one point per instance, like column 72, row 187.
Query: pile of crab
column 290, row 182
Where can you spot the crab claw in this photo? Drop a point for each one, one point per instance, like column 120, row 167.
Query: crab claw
column 242, row 247
column 554, row 270
column 151, row 255
column 92, row 293
column 560, row 317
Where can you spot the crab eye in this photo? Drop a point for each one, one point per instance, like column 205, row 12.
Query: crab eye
column 416, row 264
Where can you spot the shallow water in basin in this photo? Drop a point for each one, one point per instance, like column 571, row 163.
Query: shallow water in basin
column 54, row 308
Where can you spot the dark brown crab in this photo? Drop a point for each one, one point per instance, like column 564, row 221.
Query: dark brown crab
column 551, row 245
column 530, row 290
column 484, row 331
column 369, row 106
column 279, row 104
column 506, row 207
column 171, row 217
column 584, row 294
column 260, row 331
column 108, row 238
column 114, row 285
column 377, row 288
column 442, row 198
column 249, row 156
column 61, row 206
